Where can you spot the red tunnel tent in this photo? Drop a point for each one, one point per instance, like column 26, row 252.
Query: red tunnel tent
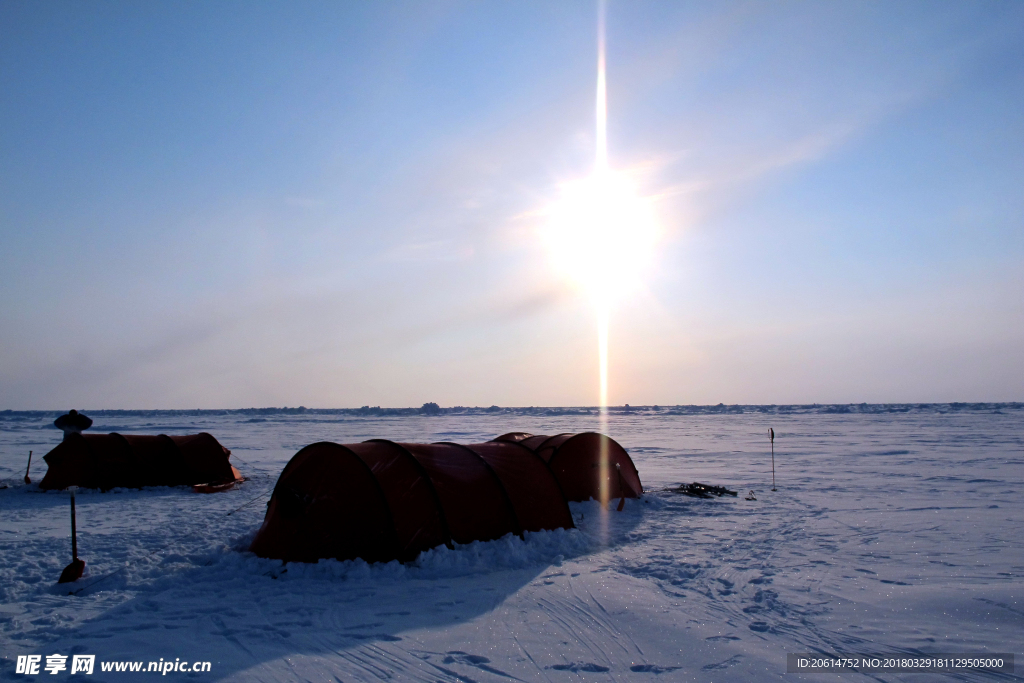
column 380, row 501
column 106, row 461
column 575, row 460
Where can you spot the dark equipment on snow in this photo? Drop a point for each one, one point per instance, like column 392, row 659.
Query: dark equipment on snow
column 106, row 461
column 771, row 436
column 698, row 490
column 27, row 480
column 73, row 572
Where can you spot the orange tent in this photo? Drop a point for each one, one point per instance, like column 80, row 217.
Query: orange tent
column 105, row 461
column 379, row 500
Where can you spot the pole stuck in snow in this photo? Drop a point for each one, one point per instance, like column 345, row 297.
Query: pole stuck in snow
column 73, row 572
column 771, row 437
column 27, row 480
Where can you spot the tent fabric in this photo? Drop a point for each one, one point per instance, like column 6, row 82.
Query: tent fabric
column 415, row 505
column 576, row 460
column 381, row 501
column 536, row 496
column 533, row 442
column 106, row 461
column 473, row 499
column 308, row 504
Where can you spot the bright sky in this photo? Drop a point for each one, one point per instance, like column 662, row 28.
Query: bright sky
column 342, row 204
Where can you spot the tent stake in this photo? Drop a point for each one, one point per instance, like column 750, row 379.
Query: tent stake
column 771, row 436
column 27, row 480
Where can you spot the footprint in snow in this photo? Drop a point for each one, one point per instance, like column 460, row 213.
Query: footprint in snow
column 480, row 662
column 652, row 669
column 735, row 659
column 588, row 667
column 382, row 637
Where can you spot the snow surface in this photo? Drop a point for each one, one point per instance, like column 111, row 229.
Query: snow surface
column 894, row 529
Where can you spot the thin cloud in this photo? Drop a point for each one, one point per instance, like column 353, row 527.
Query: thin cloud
column 431, row 250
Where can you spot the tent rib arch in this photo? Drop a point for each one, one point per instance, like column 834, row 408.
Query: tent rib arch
column 501, row 485
column 536, row 495
column 406, row 454
column 545, row 442
column 329, row 504
column 470, row 495
column 561, row 490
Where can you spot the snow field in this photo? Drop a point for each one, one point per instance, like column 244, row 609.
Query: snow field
column 890, row 532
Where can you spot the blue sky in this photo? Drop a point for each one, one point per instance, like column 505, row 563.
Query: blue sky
column 337, row 204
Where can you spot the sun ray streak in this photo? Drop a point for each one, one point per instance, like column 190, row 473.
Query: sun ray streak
column 601, row 165
column 601, row 161
column 601, row 234
column 600, row 168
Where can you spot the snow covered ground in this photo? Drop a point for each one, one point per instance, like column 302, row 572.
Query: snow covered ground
column 894, row 529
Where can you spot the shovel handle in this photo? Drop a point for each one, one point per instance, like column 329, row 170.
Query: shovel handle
column 74, row 533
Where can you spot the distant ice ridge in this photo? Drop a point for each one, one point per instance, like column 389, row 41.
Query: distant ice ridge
column 257, row 415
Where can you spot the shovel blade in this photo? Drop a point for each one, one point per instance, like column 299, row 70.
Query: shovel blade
column 72, row 572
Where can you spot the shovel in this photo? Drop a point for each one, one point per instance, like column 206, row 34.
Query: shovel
column 27, row 480
column 73, row 572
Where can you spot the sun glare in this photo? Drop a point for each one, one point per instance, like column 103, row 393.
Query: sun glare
column 601, row 235
column 601, row 232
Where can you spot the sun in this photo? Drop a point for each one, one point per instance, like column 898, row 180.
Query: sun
column 601, row 235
